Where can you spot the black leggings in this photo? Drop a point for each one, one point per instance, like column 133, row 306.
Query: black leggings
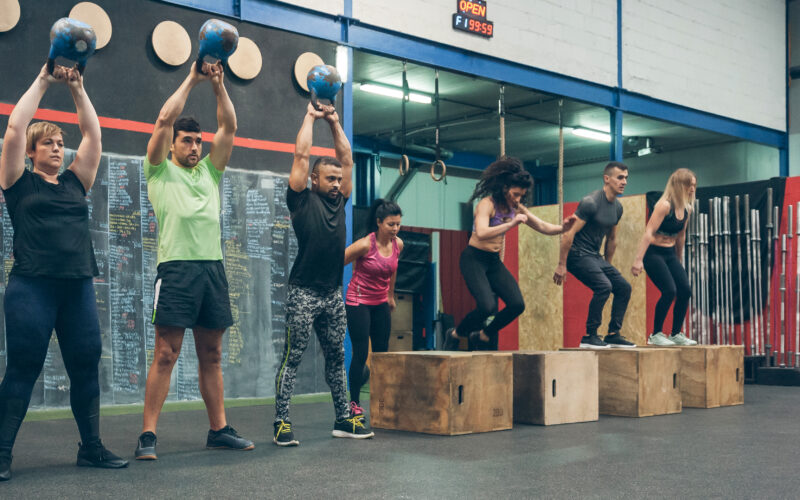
column 664, row 268
column 488, row 278
column 366, row 322
column 34, row 306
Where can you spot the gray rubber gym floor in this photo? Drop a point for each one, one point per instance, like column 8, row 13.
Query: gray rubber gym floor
column 748, row 451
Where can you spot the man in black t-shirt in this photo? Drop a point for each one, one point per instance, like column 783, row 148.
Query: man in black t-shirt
column 314, row 294
column 598, row 214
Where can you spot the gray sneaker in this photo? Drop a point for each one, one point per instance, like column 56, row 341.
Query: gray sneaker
column 681, row 339
column 660, row 339
column 146, row 447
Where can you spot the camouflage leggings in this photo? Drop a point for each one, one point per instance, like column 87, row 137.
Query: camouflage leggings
column 307, row 307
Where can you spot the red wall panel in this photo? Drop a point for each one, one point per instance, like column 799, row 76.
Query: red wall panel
column 791, row 197
column 456, row 299
column 509, row 336
column 576, row 300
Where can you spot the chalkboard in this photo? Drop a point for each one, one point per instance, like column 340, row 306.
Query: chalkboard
column 259, row 247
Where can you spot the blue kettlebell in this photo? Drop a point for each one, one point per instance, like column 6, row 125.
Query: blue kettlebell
column 71, row 39
column 324, row 82
column 218, row 39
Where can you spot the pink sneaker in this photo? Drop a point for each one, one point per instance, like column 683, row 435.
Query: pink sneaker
column 355, row 410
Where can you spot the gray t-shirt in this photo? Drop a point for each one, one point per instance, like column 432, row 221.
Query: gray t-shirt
column 600, row 216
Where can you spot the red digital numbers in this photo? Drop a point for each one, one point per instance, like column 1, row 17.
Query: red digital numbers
column 471, row 17
column 480, row 27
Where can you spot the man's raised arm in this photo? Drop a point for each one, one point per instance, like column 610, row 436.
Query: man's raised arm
column 298, row 177
column 343, row 153
column 226, row 120
column 158, row 147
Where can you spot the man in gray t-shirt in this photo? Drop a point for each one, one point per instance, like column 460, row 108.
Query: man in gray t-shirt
column 598, row 214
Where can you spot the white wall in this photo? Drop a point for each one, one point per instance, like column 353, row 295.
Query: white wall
column 328, row 6
column 426, row 203
column 725, row 57
column 570, row 37
column 714, row 165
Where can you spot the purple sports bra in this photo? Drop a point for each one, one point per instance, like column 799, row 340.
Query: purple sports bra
column 499, row 217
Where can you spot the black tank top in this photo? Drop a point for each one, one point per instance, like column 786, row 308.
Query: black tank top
column 51, row 227
column 671, row 225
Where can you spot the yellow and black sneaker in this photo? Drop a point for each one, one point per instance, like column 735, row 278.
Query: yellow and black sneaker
column 354, row 427
column 283, row 434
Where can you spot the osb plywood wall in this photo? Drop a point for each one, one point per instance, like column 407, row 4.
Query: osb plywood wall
column 629, row 231
column 541, row 326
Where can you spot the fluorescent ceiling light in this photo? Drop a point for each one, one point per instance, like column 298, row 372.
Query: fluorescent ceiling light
column 396, row 93
column 343, row 61
column 592, row 134
column 645, row 151
column 420, row 98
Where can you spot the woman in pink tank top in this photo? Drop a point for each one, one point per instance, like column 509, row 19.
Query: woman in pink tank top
column 370, row 294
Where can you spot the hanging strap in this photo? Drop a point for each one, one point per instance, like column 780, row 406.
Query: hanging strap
column 404, row 163
column 501, row 110
column 560, row 162
column 438, row 161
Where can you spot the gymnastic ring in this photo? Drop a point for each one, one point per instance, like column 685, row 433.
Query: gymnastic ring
column 404, row 164
column 433, row 170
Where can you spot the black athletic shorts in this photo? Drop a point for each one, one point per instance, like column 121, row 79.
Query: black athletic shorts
column 192, row 293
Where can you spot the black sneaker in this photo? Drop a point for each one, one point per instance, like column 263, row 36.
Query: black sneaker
column 475, row 342
column 352, row 427
column 617, row 340
column 5, row 465
column 593, row 342
column 283, row 434
column 450, row 342
column 228, row 438
column 94, row 454
column 146, row 447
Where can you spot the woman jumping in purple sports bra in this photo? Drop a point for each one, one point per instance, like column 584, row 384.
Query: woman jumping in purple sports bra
column 502, row 186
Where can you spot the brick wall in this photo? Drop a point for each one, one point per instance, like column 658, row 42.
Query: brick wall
column 721, row 56
column 571, row 37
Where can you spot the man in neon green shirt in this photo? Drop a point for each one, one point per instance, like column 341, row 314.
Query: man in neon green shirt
column 191, row 290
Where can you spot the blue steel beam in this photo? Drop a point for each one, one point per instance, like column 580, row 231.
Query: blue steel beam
column 376, row 40
column 654, row 108
column 615, row 147
column 381, row 41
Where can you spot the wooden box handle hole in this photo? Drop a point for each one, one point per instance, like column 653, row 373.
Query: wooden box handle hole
column 674, row 380
column 554, row 387
column 460, row 394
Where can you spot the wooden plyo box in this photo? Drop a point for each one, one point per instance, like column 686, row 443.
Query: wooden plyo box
column 441, row 393
column 712, row 375
column 400, row 340
column 639, row 382
column 555, row 387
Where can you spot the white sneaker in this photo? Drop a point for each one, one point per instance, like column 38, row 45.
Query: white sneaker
column 660, row 339
column 681, row 339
